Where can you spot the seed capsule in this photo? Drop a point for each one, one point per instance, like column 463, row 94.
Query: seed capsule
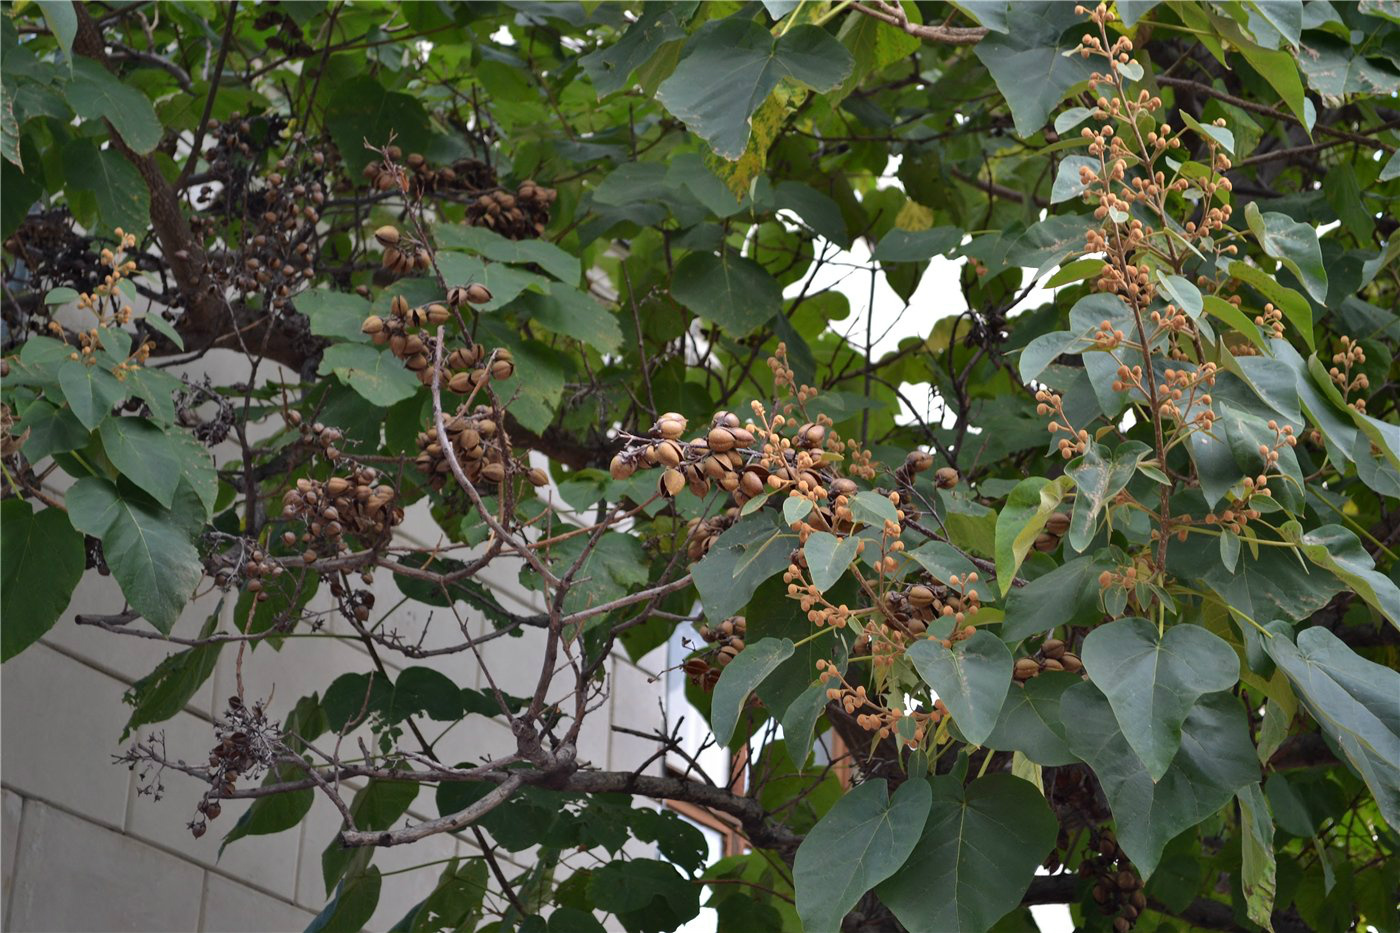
column 1057, row 524
column 478, row 294
column 672, row 482
column 387, row 235
column 620, row 468
column 720, row 440
column 372, row 325
column 538, row 477
column 945, row 478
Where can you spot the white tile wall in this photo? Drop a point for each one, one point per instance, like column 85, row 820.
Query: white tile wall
column 230, row 907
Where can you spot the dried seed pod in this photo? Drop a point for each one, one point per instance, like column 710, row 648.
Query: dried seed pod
column 811, row 435
column 920, row 595
column 456, row 296
column 668, row 453
column 461, row 383
column 398, row 306
column 502, row 368
column 372, row 325
column 387, row 235
column 1052, row 648
column 1046, row 542
column 918, row 461
column 438, row 314
column 1050, row 664
column 1026, row 668
column 720, row 440
column 670, row 426
column 493, row 472
column 672, row 482
column 478, row 294
column 538, row 477
column 1057, row 524
column 945, row 478
column 751, row 484
column 1071, row 663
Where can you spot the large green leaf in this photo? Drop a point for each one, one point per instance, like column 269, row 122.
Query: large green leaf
column 861, row 841
column 490, row 244
column 146, row 547
column 1257, row 865
column 1293, row 305
column 1027, row 509
column 756, row 548
column 736, row 293
column 978, row 853
column 145, row 454
column 1030, row 720
column 1353, row 700
column 123, row 200
column 741, row 676
column 376, row 374
column 164, row 691
column 1028, row 60
column 51, row 430
column 338, row 315
column 1292, row 243
column 1216, row 759
column 354, row 903
column 94, row 93
column 731, row 66
column 566, row 310
column 1067, row 595
column 647, row 895
column 41, row 562
column 91, row 391
column 1153, row 682
column 1339, row 550
column 828, row 557
column 656, row 27
column 362, row 110
column 971, row 678
column 1097, row 479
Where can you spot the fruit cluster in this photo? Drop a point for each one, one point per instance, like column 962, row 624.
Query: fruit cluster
column 520, row 216
column 478, row 446
column 402, row 255
column 405, row 333
column 1053, row 655
column 248, row 743
column 1117, row 887
column 468, row 175
column 704, row 531
column 357, row 505
column 727, row 637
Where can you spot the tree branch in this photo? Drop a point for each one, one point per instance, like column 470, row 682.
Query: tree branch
column 893, row 14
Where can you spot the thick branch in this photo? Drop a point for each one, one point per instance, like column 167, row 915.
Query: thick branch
column 893, row 14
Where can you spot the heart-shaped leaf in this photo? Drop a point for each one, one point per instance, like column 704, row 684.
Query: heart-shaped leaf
column 1152, row 682
column 740, row 677
column 828, row 557
column 971, row 679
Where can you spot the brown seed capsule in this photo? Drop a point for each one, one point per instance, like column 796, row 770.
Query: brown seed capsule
column 1057, row 524
column 538, row 477
column 1072, row 663
column 1050, row 664
column 811, row 435
column 1052, row 648
column 920, row 595
column 751, row 484
column 672, row 482
column 337, row 486
column 720, row 440
column 502, row 369
column 398, row 306
column 843, row 487
column 438, row 314
column 917, row 461
column 461, row 383
column 621, row 468
column 478, row 294
column 945, row 478
column 372, row 325
column 493, row 472
column 668, row 453
column 1046, row 541
column 1026, row 668
column 309, row 556
column 456, row 296
column 387, row 235
column 670, row 426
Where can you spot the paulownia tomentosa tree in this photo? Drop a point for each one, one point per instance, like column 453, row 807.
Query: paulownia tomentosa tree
column 1119, row 600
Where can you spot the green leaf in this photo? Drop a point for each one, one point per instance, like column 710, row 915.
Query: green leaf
column 1218, row 134
column 731, row 66
column 376, row 374
column 160, row 325
column 916, row 245
column 1030, row 720
column 648, row 895
column 1028, row 61
column 145, row 546
column 275, row 813
column 1293, row 305
column 1153, row 682
column 490, row 244
column 63, row 22
column 800, row 720
column 861, row 841
column 426, row 691
column 740, row 678
column 338, row 315
column 1353, row 700
column 362, row 110
column 1067, row 595
column 51, row 430
column 1340, row 551
column 1183, row 292
column 1022, row 518
column 41, row 561
column 1335, row 67
column 975, row 860
column 1043, row 350
column 354, row 903
column 570, row 312
column 816, row 209
column 94, row 93
column 144, row 454
column 162, row 693
column 1068, row 185
column 1280, row 69
column 755, row 548
column 971, row 678
column 828, row 557
column 736, row 293
column 1220, row 308
column 656, row 28
column 1292, row 243
column 91, row 391
column 1215, row 760
column 872, row 508
column 1257, row 868
column 944, row 562
column 377, row 805
column 1097, row 481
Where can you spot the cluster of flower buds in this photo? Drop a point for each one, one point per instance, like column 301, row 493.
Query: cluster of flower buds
column 358, row 505
column 1053, row 655
column 1351, row 355
column 722, row 456
column 402, row 255
column 869, row 713
column 1051, row 403
column 520, row 216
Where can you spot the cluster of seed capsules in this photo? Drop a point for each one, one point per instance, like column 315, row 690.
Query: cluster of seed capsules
column 475, row 440
column 419, row 176
column 728, row 640
column 1117, row 887
column 402, row 255
column 246, row 746
column 358, row 505
column 520, row 216
column 1054, row 655
column 405, row 333
column 725, row 456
